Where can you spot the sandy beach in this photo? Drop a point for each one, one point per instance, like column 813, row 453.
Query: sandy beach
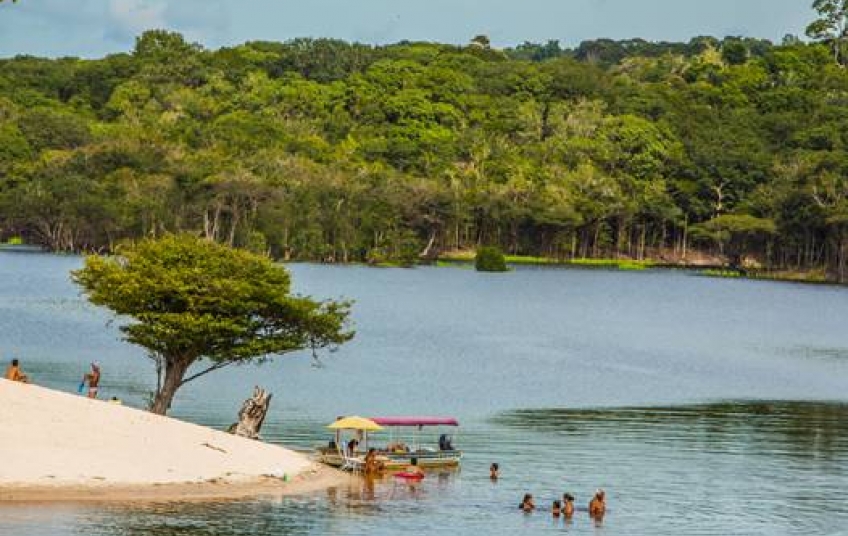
column 60, row 446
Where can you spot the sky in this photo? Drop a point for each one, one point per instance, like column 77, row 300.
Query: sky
column 94, row 28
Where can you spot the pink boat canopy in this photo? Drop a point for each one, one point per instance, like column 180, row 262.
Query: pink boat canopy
column 415, row 421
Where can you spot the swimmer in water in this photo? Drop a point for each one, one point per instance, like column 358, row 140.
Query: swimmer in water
column 567, row 505
column 598, row 505
column 527, row 505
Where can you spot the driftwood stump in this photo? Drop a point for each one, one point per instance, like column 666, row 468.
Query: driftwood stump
column 252, row 414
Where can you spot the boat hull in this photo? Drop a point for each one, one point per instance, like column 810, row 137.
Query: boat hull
column 398, row 461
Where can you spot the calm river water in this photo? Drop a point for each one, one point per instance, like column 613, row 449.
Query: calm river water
column 703, row 406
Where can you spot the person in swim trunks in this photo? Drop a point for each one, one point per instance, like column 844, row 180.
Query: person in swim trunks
column 93, row 380
column 14, row 373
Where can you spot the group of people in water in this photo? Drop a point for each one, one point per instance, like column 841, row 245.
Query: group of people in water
column 565, row 507
column 560, row 508
column 90, row 380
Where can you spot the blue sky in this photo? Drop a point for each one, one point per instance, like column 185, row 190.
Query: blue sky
column 92, row 28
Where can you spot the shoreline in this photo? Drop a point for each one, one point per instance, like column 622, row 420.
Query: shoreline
column 58, row 446
column 711, row 270
column 316, row 479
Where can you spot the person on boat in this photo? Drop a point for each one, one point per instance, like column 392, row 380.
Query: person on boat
column 527, row 504
column 15, row 374
column 494, row 471
column 556, row 509
column 567, row 505
column 351, row 446
column 93, row 379
column 598, row 505
column 398, row 447
column 412, row 468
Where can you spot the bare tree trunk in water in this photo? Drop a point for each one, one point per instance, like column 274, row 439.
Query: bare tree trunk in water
column 252, row 414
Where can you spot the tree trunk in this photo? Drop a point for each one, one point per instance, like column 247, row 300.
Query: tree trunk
column 174, row 373
column 252, row 414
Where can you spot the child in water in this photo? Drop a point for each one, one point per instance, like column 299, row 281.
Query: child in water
column 493, row 471
column 567, row 505
column 527, row 505
column 556, row 509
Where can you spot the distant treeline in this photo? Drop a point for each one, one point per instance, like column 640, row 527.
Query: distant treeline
column 337, row 152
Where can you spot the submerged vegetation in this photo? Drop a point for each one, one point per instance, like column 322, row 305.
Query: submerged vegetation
column 337, row 152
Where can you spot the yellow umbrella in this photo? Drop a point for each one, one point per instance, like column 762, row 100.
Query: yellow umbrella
column 355, row 423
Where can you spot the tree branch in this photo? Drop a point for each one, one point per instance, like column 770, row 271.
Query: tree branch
column 213, row 368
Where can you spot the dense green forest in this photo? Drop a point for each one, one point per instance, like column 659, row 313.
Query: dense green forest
column 337, row 152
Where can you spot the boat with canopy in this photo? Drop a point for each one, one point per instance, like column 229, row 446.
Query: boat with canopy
column 397, row 440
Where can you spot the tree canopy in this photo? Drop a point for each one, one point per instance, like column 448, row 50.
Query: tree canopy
column 194, row 301
column 322, row 150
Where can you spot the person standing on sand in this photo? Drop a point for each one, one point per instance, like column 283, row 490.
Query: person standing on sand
column 14, row 373
column 93, row 380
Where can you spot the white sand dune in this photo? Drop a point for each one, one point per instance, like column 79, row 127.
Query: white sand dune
column 50, row 439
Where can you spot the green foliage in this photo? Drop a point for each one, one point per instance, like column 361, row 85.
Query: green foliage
column 734, row 52
column 191, row 299
column 490, row 259
column 725, row 274
column 317, row 149
column 831, row 26
column 619, row 264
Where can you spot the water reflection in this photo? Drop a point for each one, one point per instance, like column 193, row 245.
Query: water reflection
column 653, row 339
column 752, row 468
column 783, row 429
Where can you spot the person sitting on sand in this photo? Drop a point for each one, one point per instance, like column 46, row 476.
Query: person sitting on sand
column 93, row 379
column 598, row 505
column 556, row 509
column 567, row 505
column 494, row 471
column 413, row 468
column 527, row 504
column 15, row 374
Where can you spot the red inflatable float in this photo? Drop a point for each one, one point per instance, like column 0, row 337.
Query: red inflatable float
column 410, row 476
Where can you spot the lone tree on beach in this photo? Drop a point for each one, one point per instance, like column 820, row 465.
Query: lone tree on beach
column 197, row 302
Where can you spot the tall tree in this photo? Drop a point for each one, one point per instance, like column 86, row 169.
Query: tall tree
column 197, row 302
column 831, row 26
